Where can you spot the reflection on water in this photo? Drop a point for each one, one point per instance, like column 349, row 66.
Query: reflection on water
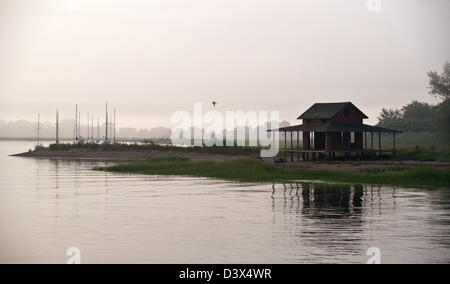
column 333, row 201
column 48, row 206
column 408, row 225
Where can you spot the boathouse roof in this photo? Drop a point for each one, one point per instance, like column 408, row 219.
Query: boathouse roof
column 335, row 128
column 328, row 110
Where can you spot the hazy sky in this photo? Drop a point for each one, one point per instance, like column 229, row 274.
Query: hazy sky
column 151, row 58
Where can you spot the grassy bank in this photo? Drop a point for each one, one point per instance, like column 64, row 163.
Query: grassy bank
column 122, row 147
column 250, row 170
column 420, row 146
column 418, row 153
column 412, row 153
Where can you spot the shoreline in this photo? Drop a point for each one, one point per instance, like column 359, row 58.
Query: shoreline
column 120, row 156
column 256, row 171
column 129, row 156
column 250, row 168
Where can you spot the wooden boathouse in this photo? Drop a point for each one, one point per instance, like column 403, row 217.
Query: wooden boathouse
column 331, row 130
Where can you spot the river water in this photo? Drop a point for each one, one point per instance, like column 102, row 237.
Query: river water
column 48, row 206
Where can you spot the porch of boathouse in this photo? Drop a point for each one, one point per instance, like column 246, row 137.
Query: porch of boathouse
column 336, row 142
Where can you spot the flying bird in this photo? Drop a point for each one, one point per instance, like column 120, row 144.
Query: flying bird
column 214, row 103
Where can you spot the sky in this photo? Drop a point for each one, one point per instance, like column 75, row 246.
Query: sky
column 152, row 58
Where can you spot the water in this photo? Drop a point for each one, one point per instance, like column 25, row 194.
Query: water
column 48, row 206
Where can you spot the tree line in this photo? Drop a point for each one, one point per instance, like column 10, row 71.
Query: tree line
column 420, row 116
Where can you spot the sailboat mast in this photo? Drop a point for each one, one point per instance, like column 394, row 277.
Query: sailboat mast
column 57, row 127
column 87, row 137
column 92, row 128
column 79, row 123
column 98, row 128
column 76, row 123
column 106, row 128
column 110, row 125
column 114, row 125
column 39, row 122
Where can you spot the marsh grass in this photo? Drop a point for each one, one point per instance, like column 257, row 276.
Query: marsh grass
column 252, row 170
column 419, row 153
column 121, row 147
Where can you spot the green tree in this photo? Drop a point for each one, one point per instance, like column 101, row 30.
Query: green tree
column 418, row 117
column 417, row 110
column 390, row 118
column 439, row 85
column 414, row 117
column 390, row 114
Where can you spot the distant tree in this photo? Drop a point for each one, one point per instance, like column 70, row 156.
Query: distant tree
column 439, row 85
column 417, row 110
column 390, row 118
column 414, row 117
column 390, row 114
column 418, row 117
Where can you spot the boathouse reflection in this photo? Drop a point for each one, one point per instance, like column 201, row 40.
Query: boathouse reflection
column 331, row 201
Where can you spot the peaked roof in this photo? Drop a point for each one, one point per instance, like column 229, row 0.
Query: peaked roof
column 327, row 110
column 335, row 128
